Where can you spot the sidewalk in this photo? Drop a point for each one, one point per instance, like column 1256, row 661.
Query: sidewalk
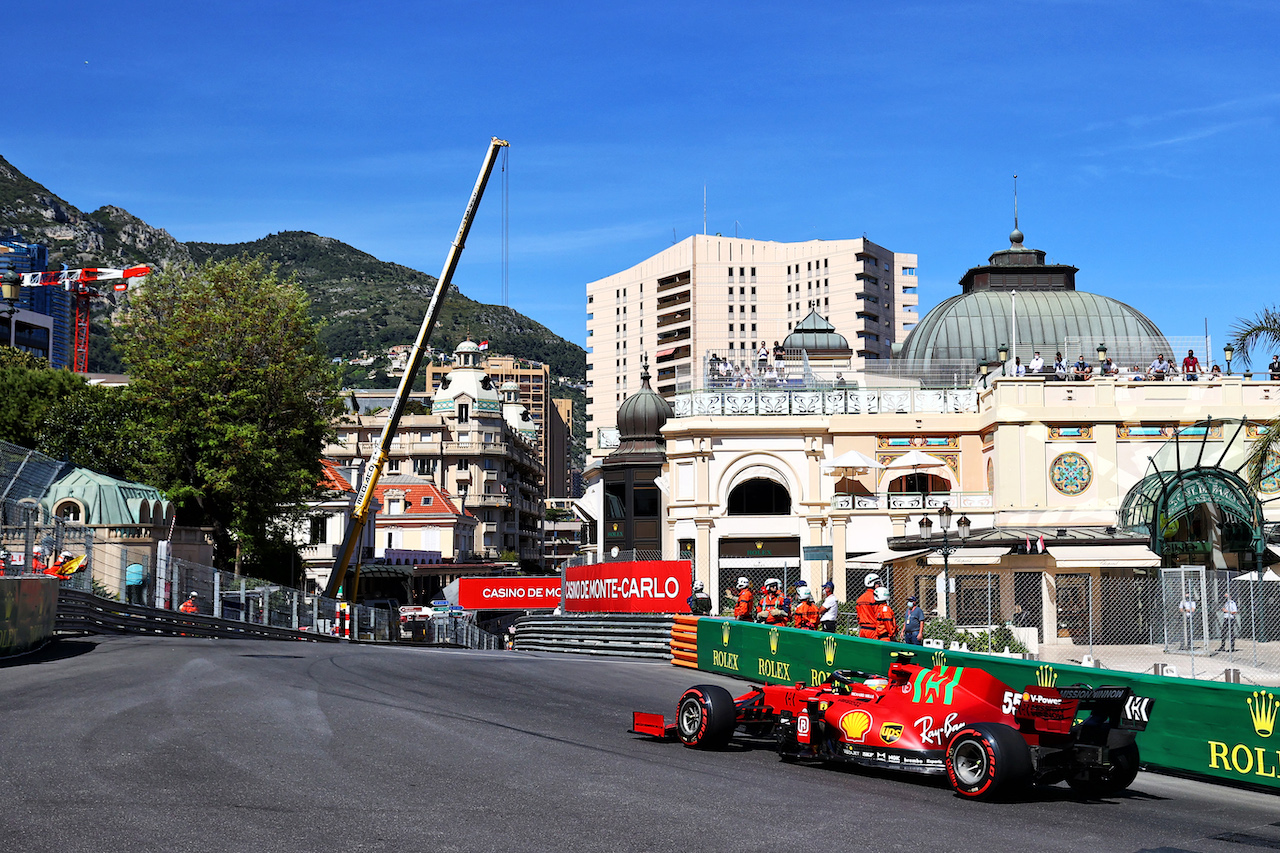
column 1260, row 667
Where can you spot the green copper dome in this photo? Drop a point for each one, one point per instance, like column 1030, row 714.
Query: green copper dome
column 971, row 327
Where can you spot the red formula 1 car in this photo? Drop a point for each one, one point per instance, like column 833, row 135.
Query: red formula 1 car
column 988, row 738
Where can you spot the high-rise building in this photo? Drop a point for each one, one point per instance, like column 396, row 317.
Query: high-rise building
column 713, row 298
column 42, row 322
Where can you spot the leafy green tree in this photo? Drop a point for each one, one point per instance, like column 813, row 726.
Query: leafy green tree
column 226, row 364
column 99, row 428
column 30, row 387
column 1248, row 335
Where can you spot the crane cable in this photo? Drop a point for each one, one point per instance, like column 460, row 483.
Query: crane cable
column 506, row 230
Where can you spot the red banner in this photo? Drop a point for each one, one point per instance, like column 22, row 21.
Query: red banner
column 508, row 593
column 653, row 587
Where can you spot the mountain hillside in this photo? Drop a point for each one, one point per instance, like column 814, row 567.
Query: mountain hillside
column 365, row 303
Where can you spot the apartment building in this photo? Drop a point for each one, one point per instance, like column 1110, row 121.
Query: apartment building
column 710, row 295
column 534, row 381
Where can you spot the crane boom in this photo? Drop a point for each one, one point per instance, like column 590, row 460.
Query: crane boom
column 360, row 515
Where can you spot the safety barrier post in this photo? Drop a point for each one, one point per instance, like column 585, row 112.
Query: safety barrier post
column 294, row 596
column 217, row 593
column 243, row 614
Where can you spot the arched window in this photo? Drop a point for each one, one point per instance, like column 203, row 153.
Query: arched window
column 68, row 510
column 759, row 496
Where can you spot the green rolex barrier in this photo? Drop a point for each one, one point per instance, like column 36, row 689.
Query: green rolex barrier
column 28, row 607
column 1218, row 730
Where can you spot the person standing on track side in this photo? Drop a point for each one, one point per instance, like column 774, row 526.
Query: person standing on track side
column 886, row 620
column 772, row 609
column 806, row 612
column 830, row 608
column 913, row 624
column 742, row 609
column 189, row 606
column 699, row 602
column 867, row 607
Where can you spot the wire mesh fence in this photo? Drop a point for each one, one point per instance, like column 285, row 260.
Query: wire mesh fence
column 146, row 576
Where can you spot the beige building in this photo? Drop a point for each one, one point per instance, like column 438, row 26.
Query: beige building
column 720, row 296
column 534, row 381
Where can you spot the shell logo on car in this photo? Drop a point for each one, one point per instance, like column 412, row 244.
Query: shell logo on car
column 855, row 725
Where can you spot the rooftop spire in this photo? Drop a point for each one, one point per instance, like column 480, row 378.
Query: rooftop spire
column 1015, row 238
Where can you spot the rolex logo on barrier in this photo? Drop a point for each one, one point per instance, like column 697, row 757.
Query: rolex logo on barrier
column 724, row 634
column 1262, row 708
column 1046, row 676
column 773, row 641
column 939, row 659
column 829, row 646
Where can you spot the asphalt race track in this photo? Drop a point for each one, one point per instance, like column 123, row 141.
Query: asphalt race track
column 136, row 744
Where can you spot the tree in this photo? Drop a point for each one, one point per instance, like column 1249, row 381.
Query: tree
column 1264, row 458
column 99, row 428
column 30, row 387
column 226, row 364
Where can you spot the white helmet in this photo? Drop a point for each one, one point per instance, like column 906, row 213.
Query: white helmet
column 194, row 595
column 66, row 555
column 743, row 583
column 774, row 583
column 803, row 594
column 871, row 579
column 698, row 587
column 36, row 549
column 882, row 593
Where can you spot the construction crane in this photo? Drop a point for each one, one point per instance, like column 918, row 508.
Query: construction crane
column 360, row 515
column 79, row 283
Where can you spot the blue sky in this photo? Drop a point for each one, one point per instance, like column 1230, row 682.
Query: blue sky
column 1144, row 134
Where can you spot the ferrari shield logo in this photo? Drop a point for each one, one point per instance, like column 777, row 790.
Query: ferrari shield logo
column 773, row 641
column 724, row 634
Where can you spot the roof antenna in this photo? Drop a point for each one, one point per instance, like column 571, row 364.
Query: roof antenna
column 1015, row 239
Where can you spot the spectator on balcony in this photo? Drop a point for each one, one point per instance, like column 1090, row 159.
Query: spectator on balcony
column 1191, row 366
column 762, row 357
column 771, row 376
column 1082, row 370
column 1019, row 369
column 1059, row 368
column 1036, row 365
column 1215, row 374
column 1274, row 368
column 779, row 355
column 1159, row 368
column 1109, row 368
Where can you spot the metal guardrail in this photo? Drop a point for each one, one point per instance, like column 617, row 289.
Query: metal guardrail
column 647, row 636
column 84, row 611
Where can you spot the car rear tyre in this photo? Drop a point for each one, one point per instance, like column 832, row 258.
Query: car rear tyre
column 988, row 760
column 1111, row 780
column 706, row 717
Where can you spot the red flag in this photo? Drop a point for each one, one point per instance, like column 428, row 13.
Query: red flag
column 1029, row 551
column 484, row 345
column 1041, row 543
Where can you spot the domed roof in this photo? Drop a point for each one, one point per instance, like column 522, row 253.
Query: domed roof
column 509, row 386
column 467, row 346
column 466, row 379
column 1050, row 312
column 816, row 335
column 644, row 413
column 640, row 420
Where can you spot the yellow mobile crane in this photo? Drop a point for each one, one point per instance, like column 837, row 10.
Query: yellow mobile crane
column 361, row 513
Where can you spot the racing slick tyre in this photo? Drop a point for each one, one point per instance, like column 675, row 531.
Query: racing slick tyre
column 1111, row 780
column 988, row 760
column 706, row 717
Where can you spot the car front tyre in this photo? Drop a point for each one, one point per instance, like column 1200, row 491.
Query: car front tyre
column 706, row 717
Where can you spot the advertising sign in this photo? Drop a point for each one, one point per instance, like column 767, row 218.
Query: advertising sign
column 660, row 586
column 508, row 593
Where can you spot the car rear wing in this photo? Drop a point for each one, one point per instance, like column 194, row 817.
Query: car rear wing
column 1127, row 709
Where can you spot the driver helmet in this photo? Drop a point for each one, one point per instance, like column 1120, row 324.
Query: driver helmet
column 66, row 555
column 871, row 579
column 803, row 594
column 743, row 583
column 882, row 593
column 697, row 586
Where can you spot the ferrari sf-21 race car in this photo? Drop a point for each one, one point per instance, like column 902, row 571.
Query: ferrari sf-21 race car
column 991, row 740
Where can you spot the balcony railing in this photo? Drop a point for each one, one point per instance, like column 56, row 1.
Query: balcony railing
column 817, row 401
column 914, row 500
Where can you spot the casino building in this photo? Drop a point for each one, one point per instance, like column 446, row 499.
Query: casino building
column 1075, row 496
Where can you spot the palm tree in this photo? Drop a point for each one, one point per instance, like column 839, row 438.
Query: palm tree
column 1264, row 458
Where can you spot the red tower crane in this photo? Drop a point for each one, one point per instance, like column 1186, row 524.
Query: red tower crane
column 80, row 283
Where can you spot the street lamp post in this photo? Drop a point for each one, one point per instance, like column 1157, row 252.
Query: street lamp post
column 1228, row 352
column 1004, row 358
column 983, row 368
column 946, row 550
